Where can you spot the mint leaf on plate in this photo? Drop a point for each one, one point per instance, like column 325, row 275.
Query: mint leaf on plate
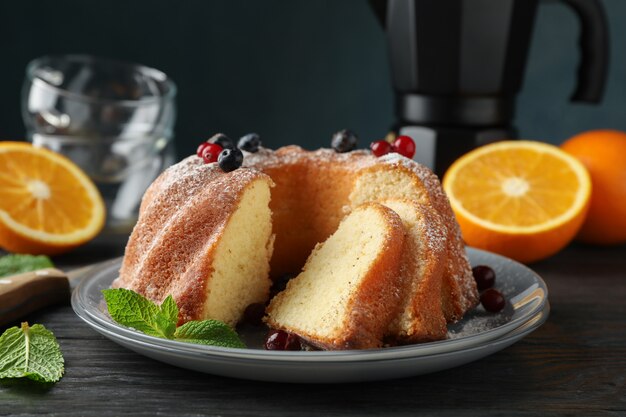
column 17, row 264
column 169, row 309
column 209, row 332
column 30, row 352
column 130, row 309
column 133, row 310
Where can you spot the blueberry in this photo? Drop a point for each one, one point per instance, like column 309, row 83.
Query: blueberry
column 222, row 140
column 249, row 143
column 230, row 159
column 344, row 141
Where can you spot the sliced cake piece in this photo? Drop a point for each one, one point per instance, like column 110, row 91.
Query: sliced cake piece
column 423, row 264
column 350, row 287
column 395, row 176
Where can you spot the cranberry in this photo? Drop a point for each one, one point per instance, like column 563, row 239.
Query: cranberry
column 405, row 146
column 492, row 300
column 381, row 147
column 201, row 148
column 210, row 152
column 254, row 314
column 281, row 340
column 485, row 277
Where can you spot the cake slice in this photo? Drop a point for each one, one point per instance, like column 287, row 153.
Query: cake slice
column 350, row 287
column 395, row 176
column 421, row 317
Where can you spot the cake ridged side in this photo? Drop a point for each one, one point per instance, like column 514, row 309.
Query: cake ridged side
column 182, row 217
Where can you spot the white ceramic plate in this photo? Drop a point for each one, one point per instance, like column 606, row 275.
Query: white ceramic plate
column 479, row 334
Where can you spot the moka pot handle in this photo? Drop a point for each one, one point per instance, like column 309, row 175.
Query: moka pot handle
column 594, row 50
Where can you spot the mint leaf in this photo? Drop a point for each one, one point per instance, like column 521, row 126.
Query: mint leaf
column 169, row 309
column 30, row 352
column 17, row 264
column 131, row 309
column 209, row 332
column 168, row 316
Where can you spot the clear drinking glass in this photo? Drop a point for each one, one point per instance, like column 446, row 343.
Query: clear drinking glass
column 114, row 119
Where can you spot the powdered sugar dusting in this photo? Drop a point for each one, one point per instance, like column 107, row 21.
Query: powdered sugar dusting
column 433, row 229
column 478, row 321
column 394, row 157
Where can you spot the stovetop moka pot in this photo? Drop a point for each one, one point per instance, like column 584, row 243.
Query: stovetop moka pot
column 457, row 66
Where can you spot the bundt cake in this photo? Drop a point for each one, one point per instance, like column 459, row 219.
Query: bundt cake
column 350, row 286
column 205, row 236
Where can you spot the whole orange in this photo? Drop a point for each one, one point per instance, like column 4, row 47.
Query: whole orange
column 603, row 152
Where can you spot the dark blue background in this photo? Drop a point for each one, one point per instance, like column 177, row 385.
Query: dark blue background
column 294, row 71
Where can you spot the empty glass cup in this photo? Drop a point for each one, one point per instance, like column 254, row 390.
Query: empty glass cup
column 114, row 119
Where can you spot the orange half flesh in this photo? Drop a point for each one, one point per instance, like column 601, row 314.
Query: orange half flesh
column 47, row 204
column 523, row 199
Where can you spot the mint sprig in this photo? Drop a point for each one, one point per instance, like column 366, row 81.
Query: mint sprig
column 30, row 352
column 17, row 264
column 131, row 309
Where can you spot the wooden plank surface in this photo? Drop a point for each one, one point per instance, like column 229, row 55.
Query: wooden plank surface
column 574, row 365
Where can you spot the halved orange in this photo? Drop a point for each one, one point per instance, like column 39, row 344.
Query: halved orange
column 47, row 204
column 522, row 199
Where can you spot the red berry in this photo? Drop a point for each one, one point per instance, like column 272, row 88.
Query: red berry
column 201, row 148
column 254, row 313
column 210, row 152
column 492, row 300
column 485, row 277
column 405, row 146
column 380, row 147
column 280, row 340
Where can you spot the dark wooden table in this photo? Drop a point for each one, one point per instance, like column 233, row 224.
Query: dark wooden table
column 574, row 365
